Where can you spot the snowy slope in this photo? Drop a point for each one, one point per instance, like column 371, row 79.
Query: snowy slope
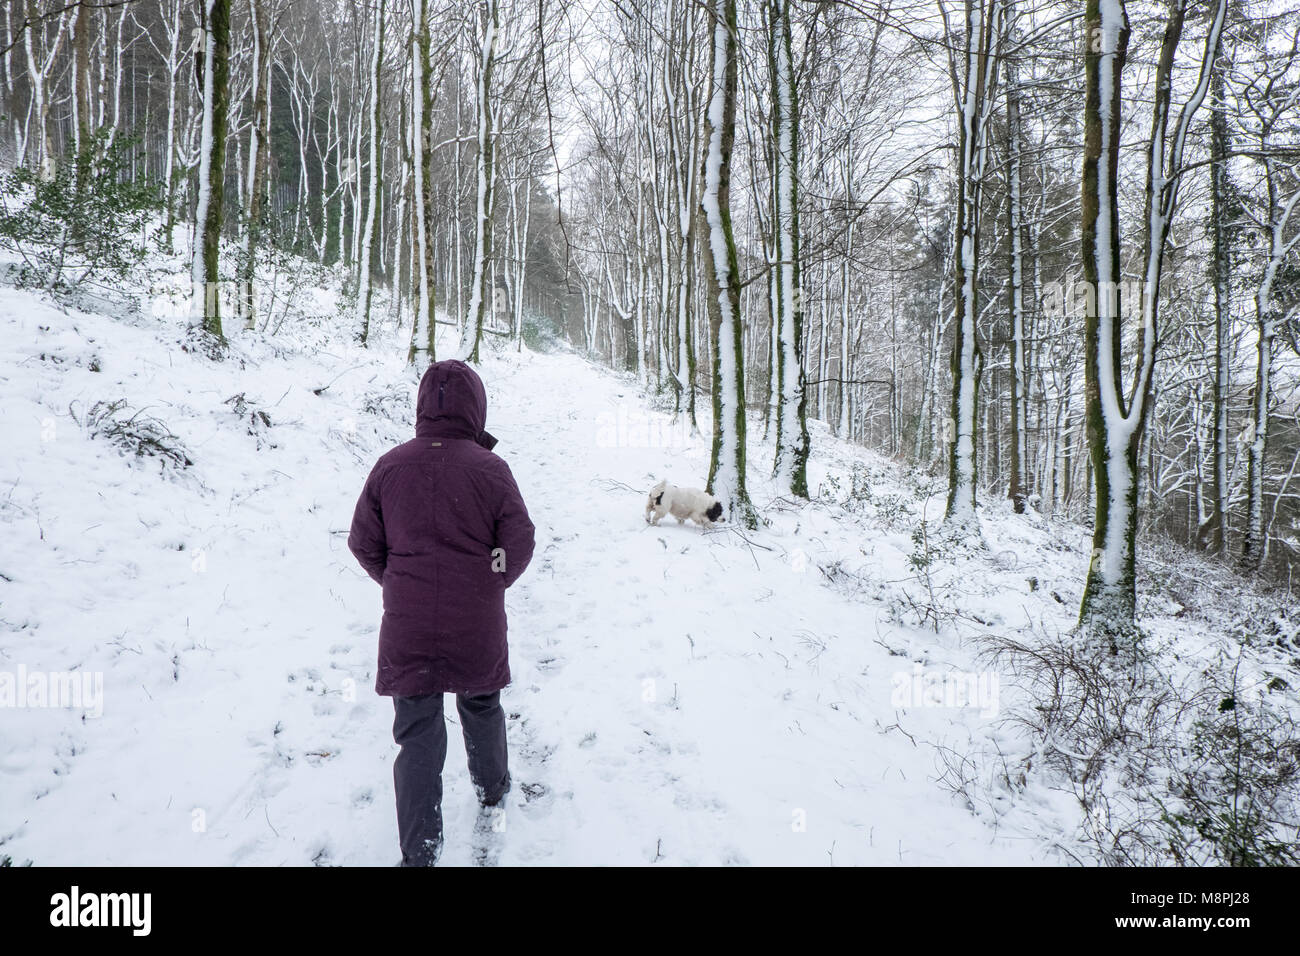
column 679, row 697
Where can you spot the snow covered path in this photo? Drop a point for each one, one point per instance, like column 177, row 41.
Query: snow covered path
column 684, row 697
column 678, row 697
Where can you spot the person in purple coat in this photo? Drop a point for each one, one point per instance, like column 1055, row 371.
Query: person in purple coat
column 442, row 527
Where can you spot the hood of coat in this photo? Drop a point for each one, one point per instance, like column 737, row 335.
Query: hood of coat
column 452, row 403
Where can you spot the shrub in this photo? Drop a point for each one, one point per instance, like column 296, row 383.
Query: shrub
column 1198, row 771
column 81, row 219
column 135, row 433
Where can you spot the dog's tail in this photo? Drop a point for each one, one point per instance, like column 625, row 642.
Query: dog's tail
column 714, row 513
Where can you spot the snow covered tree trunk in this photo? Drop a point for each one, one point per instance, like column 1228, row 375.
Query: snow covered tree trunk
column 686, row 355
column 637, row 359
column 1115, row 426
column 1270, row 111
column 847, row 161
column 523, row 221
column 792, row 433
column 1018, row 488
column 259, row 154
column 402, row 231
column 356, row 136
column 366, row 251
column 472, row 336
column 1267, row 319
column 1212, row 534
column 1109, row 596
column 13, row 15
column 727, row 460
column 845, row 430
column 173, row 60
column 206, row 268
column 82, row 116
column 40, row 63
column 973, row 81
column 683, row 143
column 681, row 102
column 423, row 328
column 927, row 435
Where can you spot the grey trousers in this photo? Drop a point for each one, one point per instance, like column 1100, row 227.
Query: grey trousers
column 421, row 731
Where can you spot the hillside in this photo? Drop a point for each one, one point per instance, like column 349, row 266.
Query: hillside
column 679, row 697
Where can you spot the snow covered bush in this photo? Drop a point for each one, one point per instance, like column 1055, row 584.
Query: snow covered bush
column 392, row 401
column 135, row 433
column 82, row 219
column 1237, row 799
column 259, row 421
column 1167, row 766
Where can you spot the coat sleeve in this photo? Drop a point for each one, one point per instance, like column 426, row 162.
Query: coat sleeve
column 514, row 529
column 366, row 540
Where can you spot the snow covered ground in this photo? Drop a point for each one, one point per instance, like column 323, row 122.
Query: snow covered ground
column 679, row 697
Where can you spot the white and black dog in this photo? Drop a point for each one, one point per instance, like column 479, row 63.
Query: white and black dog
column 683, row 503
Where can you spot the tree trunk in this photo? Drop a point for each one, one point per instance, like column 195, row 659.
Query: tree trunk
column 1114, row 426
column 478, row 295
column 727, row 460
column 423, row 329
column 259, row 154
column 1018, row 488
column 1212, row 534
column 369, row 238
column 791, row 466
column 206, row 270
column 972, row 93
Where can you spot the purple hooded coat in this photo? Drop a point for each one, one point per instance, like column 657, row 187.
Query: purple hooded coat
column 442, row 527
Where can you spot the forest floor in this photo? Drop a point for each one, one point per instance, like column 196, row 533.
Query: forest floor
column 679, row 697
